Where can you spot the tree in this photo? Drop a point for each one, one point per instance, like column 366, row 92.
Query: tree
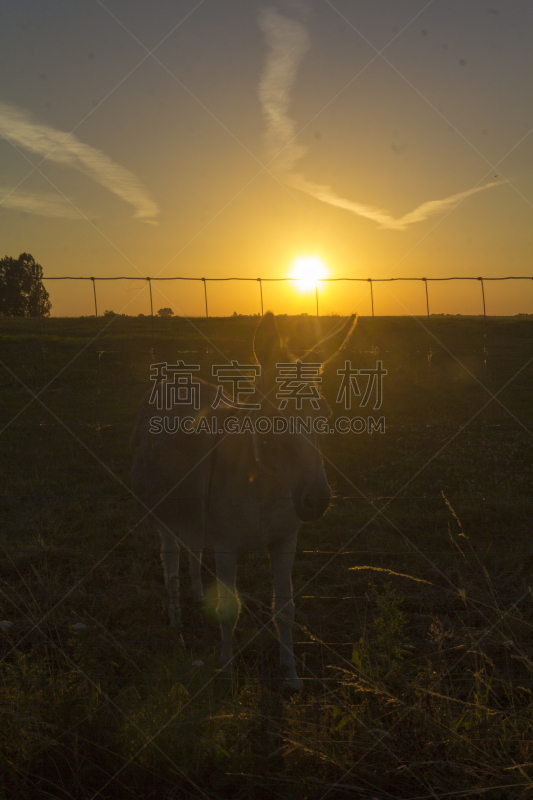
column 165, row 312
column 22, row 293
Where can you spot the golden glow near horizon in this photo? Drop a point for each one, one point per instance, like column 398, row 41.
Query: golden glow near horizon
column 307, row 271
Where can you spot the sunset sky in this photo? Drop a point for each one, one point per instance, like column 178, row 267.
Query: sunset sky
column 212, row 139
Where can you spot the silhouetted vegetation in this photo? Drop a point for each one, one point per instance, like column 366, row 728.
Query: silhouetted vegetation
column 22, row 293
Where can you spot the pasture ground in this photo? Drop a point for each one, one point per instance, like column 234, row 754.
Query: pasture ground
column 414, row 607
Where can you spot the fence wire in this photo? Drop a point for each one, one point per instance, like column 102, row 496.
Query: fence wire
column 260, row 281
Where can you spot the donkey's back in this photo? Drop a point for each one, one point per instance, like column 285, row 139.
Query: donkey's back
column 171, row 470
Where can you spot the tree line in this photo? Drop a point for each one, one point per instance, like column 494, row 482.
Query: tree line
column 22, row 292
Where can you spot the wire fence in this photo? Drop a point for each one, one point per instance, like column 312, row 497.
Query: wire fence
column 260, row 281
column 480, row 347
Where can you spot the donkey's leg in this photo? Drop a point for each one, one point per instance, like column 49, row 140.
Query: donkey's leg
column 170, row 556
column 195, row 566
column 281, row 559
column 228, row 607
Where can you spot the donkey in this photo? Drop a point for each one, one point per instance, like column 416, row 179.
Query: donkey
column 233, row 493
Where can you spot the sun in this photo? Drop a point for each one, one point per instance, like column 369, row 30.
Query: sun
column 307, row 271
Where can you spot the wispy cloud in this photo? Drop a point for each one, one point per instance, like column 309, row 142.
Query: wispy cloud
column 19, row 128
column 288, row 42
column 45, row 204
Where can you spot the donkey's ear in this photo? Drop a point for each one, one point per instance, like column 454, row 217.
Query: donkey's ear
column 328, row 347
column 268, row 347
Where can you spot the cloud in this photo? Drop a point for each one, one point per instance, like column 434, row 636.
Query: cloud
column 18, row 127
column 288, row 42
column 43, row 203
column 436, row 206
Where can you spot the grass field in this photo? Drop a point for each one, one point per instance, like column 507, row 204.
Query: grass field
column 414, row 612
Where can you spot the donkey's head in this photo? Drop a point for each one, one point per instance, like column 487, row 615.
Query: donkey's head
column 289, row 451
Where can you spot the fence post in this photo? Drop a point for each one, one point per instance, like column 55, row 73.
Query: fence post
column 371, row 294
column 261, row 292
column 95, row 304
column 151, row 313
column 483, row 295
column 151, row 304
column 427, row 298
column 205, row 293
